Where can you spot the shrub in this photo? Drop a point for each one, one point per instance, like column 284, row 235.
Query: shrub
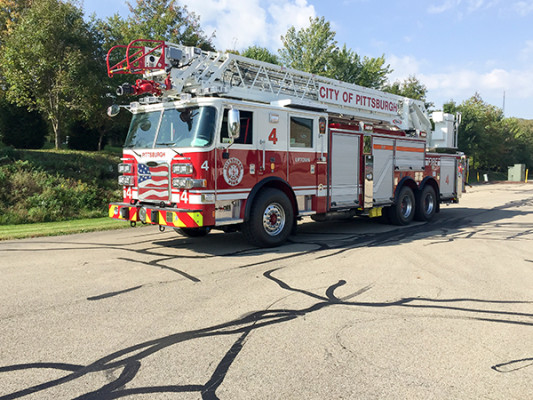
column 56, row 186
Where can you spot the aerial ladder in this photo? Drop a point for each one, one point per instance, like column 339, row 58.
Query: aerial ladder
column 175, row 71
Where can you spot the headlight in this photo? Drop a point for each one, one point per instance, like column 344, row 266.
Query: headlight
column 142, row 214
column 183, row 183
column 125, row 180
column 182, row 169
column 188, row 183
column 125, row 168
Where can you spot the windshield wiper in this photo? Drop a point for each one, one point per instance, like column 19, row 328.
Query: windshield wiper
column 171, row 148
column 177, row 152
column 131, row 147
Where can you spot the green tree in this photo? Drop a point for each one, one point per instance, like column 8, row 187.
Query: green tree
column 309, row 49
column 411, row 87
column 50, row 63
column 165, row 20
column 10, row 13
column 260, row 54
column 20, row 128
column 485, row 135
column 524, row 137
column 314, row 49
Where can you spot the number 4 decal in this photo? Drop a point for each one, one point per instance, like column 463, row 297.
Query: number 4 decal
column 273, row 136
column 205, row 166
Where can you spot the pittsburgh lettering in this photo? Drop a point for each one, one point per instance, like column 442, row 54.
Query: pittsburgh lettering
column 351, row 98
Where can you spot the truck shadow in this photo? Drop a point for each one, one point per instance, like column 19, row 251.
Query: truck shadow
column 328, row 239
column 450, row 224
column 129, row 360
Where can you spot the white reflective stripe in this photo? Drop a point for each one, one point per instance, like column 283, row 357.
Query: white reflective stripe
column 234, row 196
column 305, row 192
column 196, row 191
column 304, row 187
column 234, row 190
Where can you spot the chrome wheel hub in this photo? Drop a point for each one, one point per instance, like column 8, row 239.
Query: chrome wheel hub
column 274, row 219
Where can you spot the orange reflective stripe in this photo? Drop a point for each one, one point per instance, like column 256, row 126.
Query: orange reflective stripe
column 383, row 147
column 410, row 149
column 398, row 148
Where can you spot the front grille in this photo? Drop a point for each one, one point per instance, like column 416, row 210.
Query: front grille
column 153, row 181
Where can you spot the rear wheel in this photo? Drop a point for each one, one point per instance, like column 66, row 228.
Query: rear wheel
column 403, row 212
column 193, row 232
column 426, row 204
column 271, row 219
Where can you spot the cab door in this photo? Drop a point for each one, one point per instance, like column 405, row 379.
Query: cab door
column 304, row 139
column 272, row 144
column 236, row 160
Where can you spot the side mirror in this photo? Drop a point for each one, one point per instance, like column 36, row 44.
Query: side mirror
column 234, row 123
column 113, row 110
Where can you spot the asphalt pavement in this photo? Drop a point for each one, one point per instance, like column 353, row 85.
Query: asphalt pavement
column 351, row 309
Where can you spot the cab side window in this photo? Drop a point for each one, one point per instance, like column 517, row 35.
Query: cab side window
column 246, row 135
column 301, row 132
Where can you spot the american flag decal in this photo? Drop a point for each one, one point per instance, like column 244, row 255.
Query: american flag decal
column 153, row 182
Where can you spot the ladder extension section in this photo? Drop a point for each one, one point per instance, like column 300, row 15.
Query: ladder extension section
column 173, row 70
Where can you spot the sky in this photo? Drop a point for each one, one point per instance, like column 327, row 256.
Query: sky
column 456, row 48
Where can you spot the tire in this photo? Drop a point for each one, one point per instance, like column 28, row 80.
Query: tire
column 403, row 212
column 271, row 219
column 193, row 232
column 426, row 204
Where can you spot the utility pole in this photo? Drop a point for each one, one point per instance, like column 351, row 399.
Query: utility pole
column 503, row 108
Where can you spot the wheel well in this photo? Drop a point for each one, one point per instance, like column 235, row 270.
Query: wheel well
column 406, row 181
column 275, row 183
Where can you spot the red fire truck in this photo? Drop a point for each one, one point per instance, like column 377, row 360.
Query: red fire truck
column 220, row 141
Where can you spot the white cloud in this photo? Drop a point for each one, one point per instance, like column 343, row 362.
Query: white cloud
column 462, row 83
column 242, row 23
column 447, row 5
column 461, row 6
column 527, row 51
column 524, row 8
column 403, row 67
column 475, row 5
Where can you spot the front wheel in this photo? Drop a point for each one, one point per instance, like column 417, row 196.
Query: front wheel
column 403, row 212
column 271, row 219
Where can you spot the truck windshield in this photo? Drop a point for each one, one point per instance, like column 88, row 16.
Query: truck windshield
column 188, row 127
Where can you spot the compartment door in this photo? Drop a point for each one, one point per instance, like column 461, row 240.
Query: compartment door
column 383, row 150
column 345, row 169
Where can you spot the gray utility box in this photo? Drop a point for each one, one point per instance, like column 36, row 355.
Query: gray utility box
column 517, row 173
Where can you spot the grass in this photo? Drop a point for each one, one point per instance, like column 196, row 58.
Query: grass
column 8, row 232
column 38, row 186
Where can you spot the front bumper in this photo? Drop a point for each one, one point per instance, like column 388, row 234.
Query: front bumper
column 172, row 217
